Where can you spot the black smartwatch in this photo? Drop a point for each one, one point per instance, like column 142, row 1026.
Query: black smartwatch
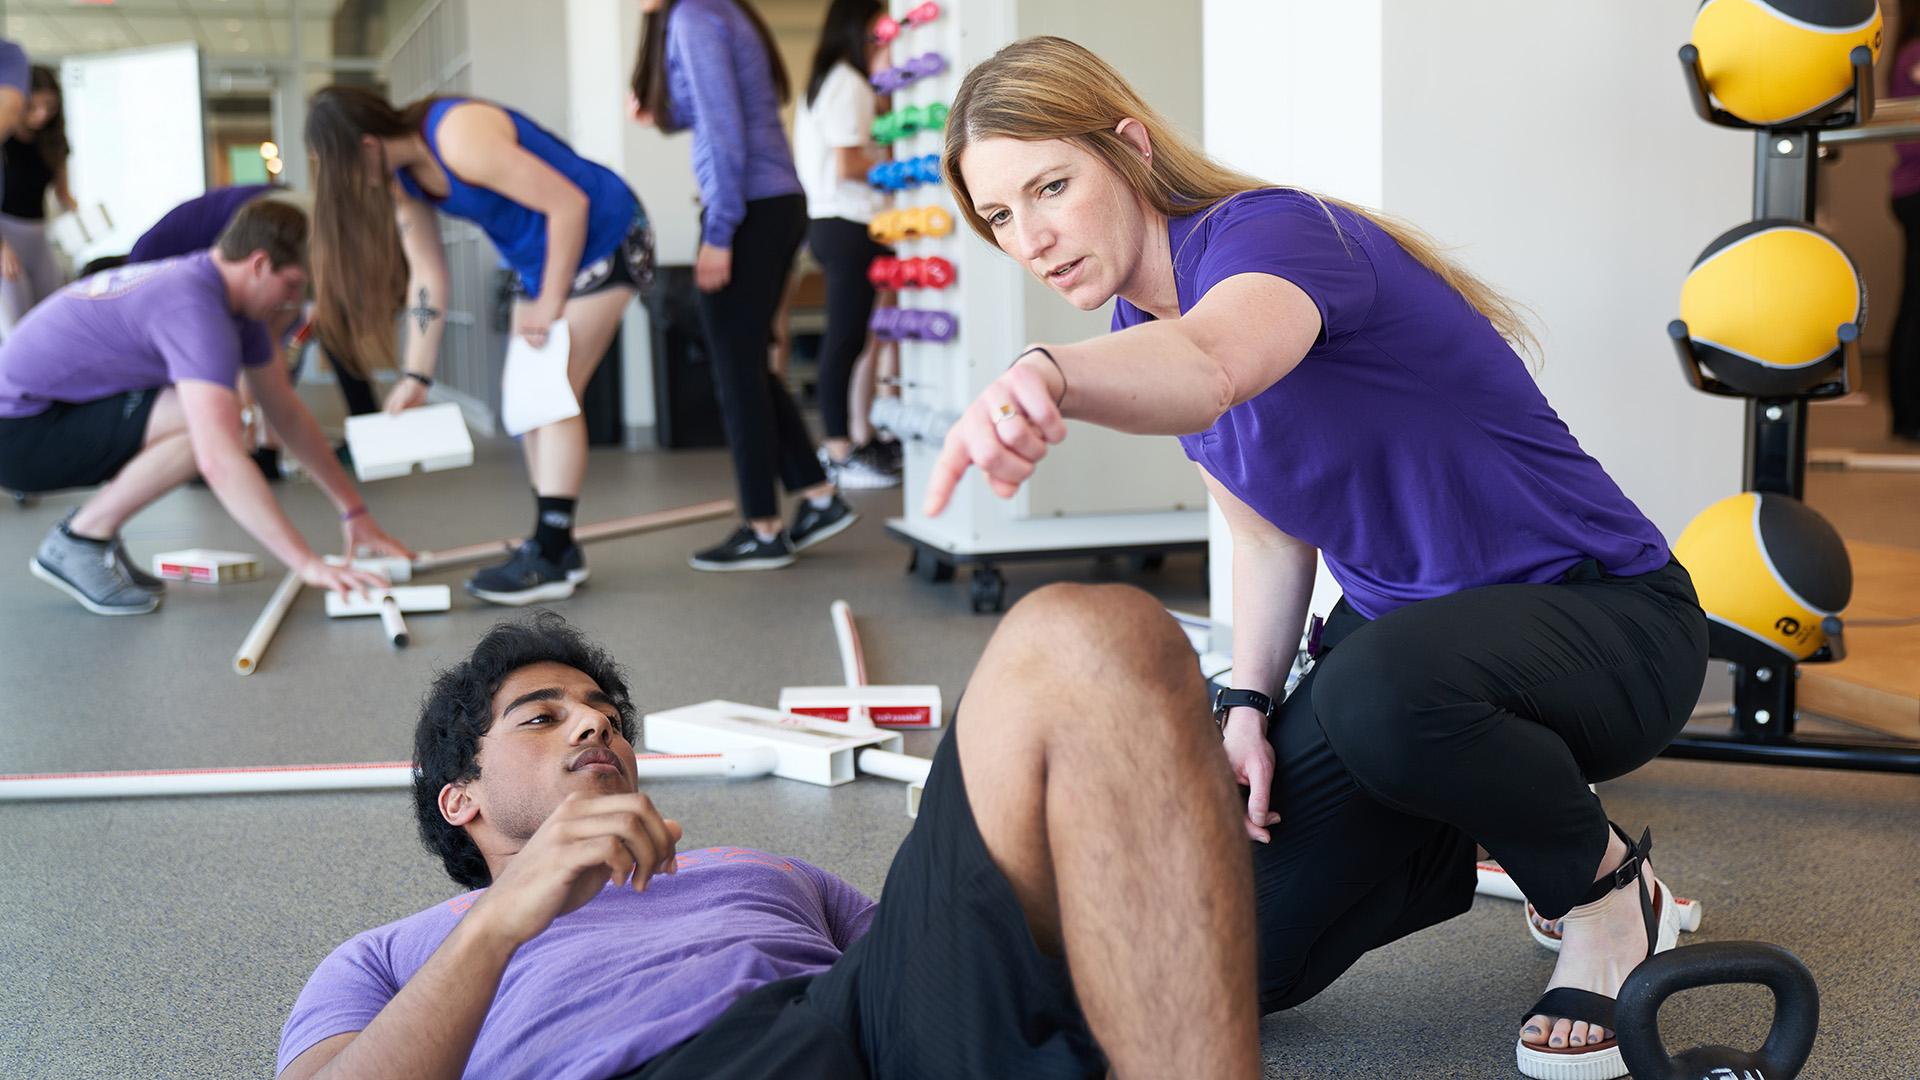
column 1226, row 700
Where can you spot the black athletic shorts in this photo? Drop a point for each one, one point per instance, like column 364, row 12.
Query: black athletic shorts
column 70, row 446
column 948, row 982
column 629, row 264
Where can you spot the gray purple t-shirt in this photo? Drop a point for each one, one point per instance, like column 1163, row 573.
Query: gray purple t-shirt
column 1411, row 445
column 608, row 987
column 130, row 328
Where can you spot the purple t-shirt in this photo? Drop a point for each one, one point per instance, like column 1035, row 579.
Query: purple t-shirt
column 1410, row 446
column 130, row 328
column 610, row 986
column 195, row 224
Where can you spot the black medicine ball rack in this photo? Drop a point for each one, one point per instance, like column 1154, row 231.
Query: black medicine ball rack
column 1775, row 461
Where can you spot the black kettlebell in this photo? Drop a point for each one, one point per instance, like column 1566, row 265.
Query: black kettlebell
column 1796, row 1012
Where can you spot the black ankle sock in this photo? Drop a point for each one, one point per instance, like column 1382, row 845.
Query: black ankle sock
column 67, row 531
column 553, row 525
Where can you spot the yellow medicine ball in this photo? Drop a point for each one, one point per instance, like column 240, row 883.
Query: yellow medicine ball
column 1772, row 61
column 1764, row 303
column 1767, row 568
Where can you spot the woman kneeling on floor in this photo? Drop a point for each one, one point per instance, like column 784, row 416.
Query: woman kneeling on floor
column 1509, row 615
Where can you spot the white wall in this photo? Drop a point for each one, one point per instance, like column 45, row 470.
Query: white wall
column 1586, row 197
column 1552, row 148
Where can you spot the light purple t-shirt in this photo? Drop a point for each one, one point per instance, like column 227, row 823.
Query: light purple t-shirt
column 129, row 328
column 610, row 986
column 1411, row 446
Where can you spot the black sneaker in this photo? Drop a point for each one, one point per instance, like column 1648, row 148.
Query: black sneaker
column 745, row 551
column 811, row 525
column 526, row 578
column 574, row 562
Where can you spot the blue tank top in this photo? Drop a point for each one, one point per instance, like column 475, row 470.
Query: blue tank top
column 519, row 231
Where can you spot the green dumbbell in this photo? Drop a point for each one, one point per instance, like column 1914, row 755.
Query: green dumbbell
column 936, row 116
column 913, row 119
column 886, row 128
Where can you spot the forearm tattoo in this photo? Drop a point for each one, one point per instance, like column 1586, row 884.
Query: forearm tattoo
column 423, row 311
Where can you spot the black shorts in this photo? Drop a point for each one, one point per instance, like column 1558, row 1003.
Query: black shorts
column 70, row 446
column 948, row 982
column 630, row 264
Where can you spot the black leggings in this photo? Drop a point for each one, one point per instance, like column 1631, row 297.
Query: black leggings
column 844, row 250
column 1480, row 716
column 764, row 428
column 1903, row 355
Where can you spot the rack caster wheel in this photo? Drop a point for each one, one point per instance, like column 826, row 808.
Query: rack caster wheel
column 929, row 569
column 987, row 590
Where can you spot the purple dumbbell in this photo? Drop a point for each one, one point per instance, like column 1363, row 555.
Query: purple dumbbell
column 926, row 64
column 938, row 326
column 885, row 323
column 888, row 80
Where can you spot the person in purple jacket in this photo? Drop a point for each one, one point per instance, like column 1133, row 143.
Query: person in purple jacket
column 711, row 65
column 1056, row 910
column 1513, row 628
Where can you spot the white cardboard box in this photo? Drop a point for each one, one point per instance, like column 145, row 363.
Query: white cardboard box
column 434, row 437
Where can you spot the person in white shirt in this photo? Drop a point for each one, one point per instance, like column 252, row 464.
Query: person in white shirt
column 833, row 149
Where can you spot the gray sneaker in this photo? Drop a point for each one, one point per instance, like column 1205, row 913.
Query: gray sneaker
column 90, row 572
column 140, row 577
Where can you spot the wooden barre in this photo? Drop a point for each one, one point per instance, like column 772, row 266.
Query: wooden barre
column 585, row 534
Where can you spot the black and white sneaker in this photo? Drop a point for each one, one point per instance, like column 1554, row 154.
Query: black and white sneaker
column 745, row 551
column 864, row 470
column 813, row 524
column 574, row 562
column 526, row 578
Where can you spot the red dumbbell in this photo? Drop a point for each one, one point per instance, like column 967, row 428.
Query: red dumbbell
column 882, row 271
column 937, row 274
column 907, row 273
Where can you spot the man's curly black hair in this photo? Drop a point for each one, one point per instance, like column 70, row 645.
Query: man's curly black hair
column 459, row 709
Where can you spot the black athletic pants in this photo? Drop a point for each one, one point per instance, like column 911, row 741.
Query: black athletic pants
column 1903, row 356
column 844, row 251
column 1480, row 716
column 357, row 392
column 764, row 428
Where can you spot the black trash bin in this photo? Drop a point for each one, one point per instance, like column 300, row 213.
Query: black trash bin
column 686, row 406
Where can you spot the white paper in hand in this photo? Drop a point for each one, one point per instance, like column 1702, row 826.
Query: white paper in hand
column 534, row 390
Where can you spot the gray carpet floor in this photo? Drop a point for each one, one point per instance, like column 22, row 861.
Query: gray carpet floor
column 169, row 937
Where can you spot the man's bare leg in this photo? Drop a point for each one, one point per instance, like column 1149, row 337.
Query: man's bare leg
column 1097, row 780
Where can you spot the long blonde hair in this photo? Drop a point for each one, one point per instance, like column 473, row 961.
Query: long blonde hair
column 1050, row 88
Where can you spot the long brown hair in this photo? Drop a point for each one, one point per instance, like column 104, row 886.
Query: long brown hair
column 1050, row 88
column 649, row 81
column 51, row 139
column 359, row 269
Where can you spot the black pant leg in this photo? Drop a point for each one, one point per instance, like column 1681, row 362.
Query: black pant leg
column 764, row 432
column 356, row 391
column 1492, row 710
column 844, row 251
column 1345, row 873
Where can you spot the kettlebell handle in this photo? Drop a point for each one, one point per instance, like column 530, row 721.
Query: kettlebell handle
column 1796, row 1013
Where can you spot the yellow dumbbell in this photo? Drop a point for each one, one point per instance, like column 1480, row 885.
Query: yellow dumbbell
column 883, row 229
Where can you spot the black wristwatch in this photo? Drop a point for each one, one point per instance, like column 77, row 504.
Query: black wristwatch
column 1226, row 700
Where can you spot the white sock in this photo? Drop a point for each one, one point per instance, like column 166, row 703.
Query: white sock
column 820, row 502
column 766, row 537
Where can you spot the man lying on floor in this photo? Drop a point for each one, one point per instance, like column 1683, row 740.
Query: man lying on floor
column 1058, row 909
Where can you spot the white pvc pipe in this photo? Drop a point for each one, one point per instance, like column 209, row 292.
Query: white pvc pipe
column 392, row 623
column 585, row 534
column 853, row 663
column 257, row 639
column 33, row 787
column 902, row 767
